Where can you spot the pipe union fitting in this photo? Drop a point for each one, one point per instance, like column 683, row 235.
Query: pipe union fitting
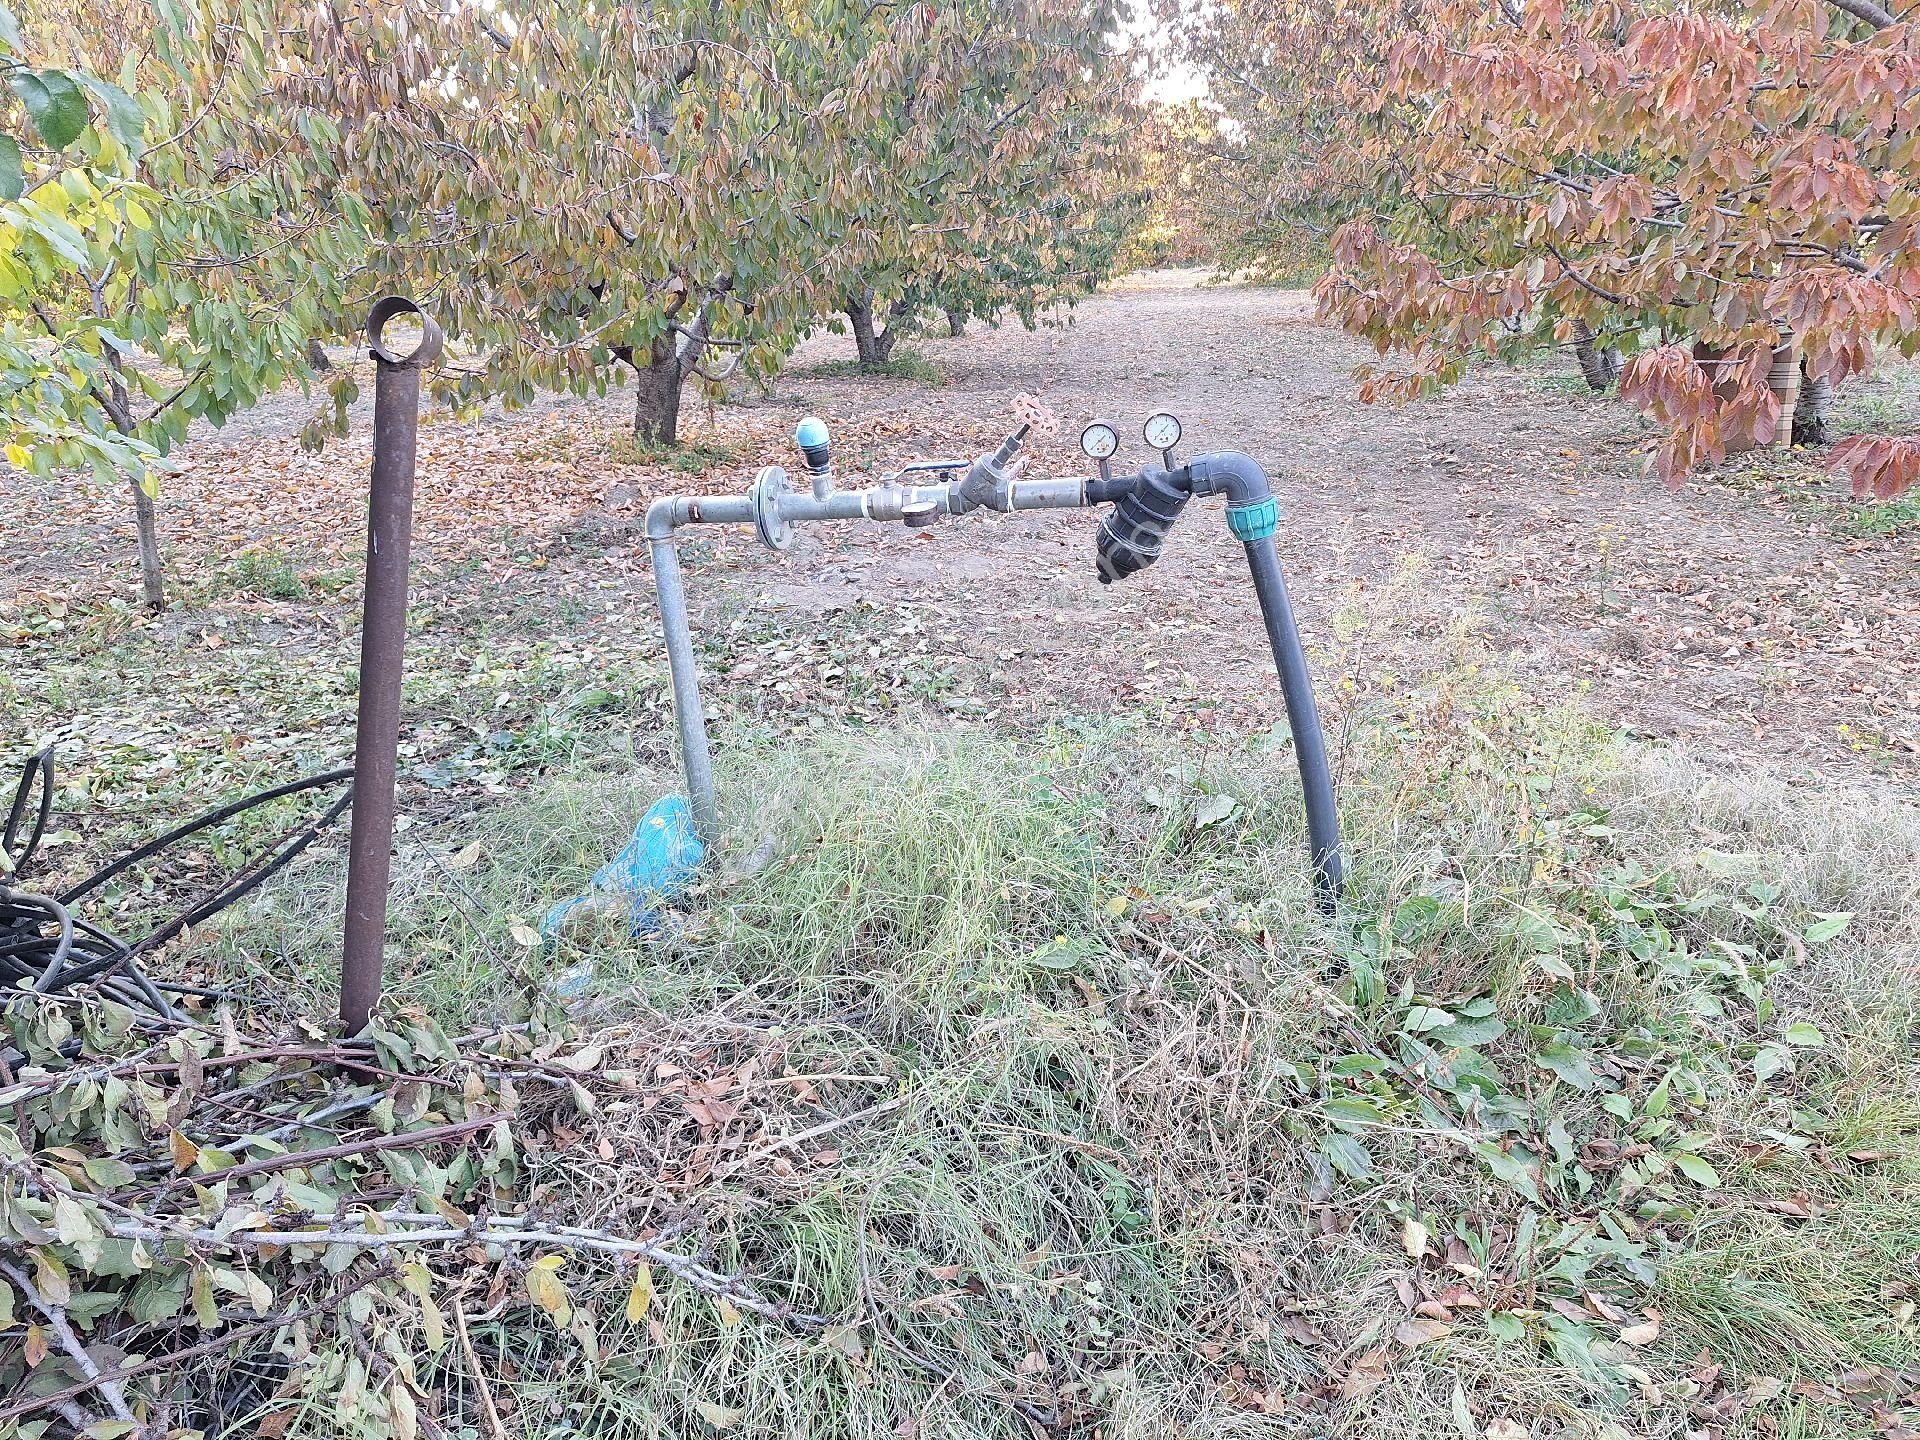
column 1254, row 522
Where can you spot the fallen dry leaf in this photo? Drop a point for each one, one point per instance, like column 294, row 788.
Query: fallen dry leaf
column 1645, row 1333
column 1366, row 1374
column 718, row 1416
column 1415, row 1333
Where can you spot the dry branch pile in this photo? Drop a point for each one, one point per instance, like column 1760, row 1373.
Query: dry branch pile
column 200, row 1224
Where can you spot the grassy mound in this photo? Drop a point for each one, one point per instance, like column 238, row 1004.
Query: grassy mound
column 1596, row 1113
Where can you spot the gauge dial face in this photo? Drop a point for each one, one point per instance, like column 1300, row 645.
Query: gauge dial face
column 1098, row 441
column 1162, row 431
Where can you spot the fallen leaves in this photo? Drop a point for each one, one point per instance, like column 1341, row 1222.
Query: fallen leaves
column 1367, row 1373
column 720, row 1417
column 1415, row 1333
column 1644, row 1333
column 640, row 1297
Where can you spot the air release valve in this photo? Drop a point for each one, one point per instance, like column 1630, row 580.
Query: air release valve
column 811, row 436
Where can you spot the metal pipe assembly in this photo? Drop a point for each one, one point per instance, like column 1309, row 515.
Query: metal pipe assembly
column 396, row 423
column 1131, row 537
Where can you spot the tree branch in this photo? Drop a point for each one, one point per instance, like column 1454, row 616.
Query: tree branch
column 221, row 1341
column 1865, row 10
column 424, row 1229
column 1582, row 281
column 301, row 1159
column 56, row 1318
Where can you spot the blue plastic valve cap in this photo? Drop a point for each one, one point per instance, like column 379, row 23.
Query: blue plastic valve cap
column 811, row 433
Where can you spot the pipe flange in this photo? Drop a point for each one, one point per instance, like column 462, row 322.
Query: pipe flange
column 773, row 528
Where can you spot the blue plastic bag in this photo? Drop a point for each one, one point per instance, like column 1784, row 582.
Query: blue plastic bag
column 654, row 866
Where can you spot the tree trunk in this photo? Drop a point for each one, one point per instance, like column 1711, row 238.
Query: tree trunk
column 656, row 400
column 1810, row 413
column 317, row 357
column 956, row 324
column 1600, row 367
column 153, row 583
column 871, row 345
column 866, row 344
column 146, row 528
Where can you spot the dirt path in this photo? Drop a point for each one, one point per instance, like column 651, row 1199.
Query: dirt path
column 1723, row 615
column 1739, row 618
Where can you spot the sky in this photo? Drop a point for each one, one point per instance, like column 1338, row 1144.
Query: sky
column 1166, row 82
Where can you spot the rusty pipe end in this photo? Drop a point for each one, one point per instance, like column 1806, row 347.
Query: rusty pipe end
column 423, row 354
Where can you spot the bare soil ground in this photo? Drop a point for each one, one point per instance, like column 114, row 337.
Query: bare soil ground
column 1743, row 616
column 1717, row 612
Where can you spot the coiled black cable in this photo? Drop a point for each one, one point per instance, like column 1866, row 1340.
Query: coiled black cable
column 79, row 953
column 17, row 852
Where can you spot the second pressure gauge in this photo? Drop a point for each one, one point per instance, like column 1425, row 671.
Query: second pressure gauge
column 1098, row 441
column 1162, row 431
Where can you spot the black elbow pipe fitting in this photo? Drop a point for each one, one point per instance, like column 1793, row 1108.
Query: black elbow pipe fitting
column 1233, row 474
column 1133, row 532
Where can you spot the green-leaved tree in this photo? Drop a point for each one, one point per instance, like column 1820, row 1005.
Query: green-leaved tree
column 997, row 181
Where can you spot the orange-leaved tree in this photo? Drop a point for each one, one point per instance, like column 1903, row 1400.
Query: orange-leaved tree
column 1723, row 193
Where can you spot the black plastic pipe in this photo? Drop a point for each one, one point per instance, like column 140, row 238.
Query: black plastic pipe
column 396, row 423
column 211, row 818
column 1252, row 514
column 1303, row 714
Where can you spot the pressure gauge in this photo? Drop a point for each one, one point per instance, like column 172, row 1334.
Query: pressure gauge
column 1098, row 441
column 1162, row 431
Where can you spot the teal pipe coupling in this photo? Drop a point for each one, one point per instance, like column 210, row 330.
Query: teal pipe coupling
column 1253, row 522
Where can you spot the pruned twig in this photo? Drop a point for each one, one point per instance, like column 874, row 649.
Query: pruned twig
column 300, row 1159
column 56, row 1318
column 494, row 1427
column 417, row 1229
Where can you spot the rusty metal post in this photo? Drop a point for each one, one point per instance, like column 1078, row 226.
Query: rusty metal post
column 396, row 421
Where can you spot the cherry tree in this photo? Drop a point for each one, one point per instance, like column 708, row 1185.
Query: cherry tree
column 1722, row 195
column 997, row 177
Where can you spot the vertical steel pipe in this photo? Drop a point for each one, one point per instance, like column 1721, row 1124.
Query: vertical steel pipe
column 396, row 421
column 689, row 712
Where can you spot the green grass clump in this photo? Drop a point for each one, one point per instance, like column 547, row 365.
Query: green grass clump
column 1882, row 403
column 270, row 573
column 1567, row 387
column 1881, row 520
column 905, row 363
column 689, row 457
